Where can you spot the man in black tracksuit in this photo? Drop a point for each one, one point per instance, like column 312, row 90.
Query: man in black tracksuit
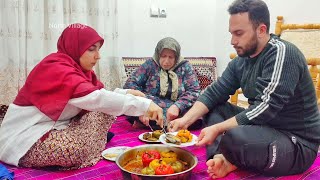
column 279, row 133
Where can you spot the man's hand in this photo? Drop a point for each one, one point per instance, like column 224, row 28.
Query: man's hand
column 135, row 92
column 172, row 112
column 155, row 113
column 208, row 135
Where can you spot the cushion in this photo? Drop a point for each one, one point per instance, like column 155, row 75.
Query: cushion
column 205, row 67
column 307, row 40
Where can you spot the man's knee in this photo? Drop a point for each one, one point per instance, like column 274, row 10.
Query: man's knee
column 239, row 149
column 220, row 113
column 209, row 119
column 232, row 138
column 215, row 116
column 232, row 146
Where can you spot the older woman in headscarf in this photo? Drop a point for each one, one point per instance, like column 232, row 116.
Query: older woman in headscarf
column 167, row 79
column 61, row 115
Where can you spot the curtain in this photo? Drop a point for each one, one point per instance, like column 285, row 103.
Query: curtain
column 29, row 30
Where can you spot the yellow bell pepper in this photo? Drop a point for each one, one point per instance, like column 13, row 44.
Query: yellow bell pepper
column 155, row 163
column 184, row 135
column 168, row 156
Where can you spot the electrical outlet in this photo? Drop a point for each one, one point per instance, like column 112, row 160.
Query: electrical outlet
column 162, row 12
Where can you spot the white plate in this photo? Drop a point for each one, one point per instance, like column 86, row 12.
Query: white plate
column 193, row 142
column 144, row 140
column 112, row 153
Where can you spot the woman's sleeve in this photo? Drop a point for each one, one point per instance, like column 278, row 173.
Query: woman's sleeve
column 138, row 78
column 192, row 89
column 121, row 91
column 162, row 102
column 112, row 103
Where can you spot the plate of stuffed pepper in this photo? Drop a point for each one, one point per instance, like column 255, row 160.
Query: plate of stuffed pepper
column 151, row 137
column 182, row 138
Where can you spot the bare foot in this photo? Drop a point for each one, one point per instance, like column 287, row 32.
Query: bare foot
column 219, row 166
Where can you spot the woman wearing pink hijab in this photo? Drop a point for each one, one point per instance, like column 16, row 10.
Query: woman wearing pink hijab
column 61, row 115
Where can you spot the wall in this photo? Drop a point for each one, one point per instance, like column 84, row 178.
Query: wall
column 297, row 12
column 201, row 26
column 191, row 23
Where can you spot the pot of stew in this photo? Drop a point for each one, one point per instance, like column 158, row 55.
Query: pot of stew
column 156, row 162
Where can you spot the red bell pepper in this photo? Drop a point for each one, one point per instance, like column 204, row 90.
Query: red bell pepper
column 148, row 156
column 164, row 169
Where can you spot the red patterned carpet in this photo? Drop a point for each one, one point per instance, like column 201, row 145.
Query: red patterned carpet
column 126, row 136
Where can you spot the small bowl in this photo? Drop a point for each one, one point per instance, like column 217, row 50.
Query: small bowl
column 183, row 155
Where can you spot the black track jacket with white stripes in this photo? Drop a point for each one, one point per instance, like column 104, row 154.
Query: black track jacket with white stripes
column 279, row 89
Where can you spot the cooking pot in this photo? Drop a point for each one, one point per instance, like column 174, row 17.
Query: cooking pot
column 183, row 155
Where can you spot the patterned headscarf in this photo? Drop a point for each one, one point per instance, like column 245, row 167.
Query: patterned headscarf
column 172, row 44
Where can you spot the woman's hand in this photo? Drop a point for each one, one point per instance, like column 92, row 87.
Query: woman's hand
column 135, row 92
column 155, row 113
column 178, row 124
column 144, row 119
column 172, row 112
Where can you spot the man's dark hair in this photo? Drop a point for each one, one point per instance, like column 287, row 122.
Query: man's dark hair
column 257, row 9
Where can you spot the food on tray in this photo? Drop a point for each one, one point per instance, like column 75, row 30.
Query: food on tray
column 149, row 156
column 169, row 156
column 154, row 136
column 157, row 133
column 113, row 152
column 177, row 166
column 110, row 155
column 148, row 136
column 156, row 162
column 164, row 169
column 148, row 171
column 183, row 136
column 172, row 139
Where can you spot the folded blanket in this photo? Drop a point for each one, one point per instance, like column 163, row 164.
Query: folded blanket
column 5, row 174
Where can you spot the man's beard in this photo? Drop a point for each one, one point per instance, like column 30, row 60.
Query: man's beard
column 250, row 48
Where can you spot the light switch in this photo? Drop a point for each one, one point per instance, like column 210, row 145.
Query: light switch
column 154, row 12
